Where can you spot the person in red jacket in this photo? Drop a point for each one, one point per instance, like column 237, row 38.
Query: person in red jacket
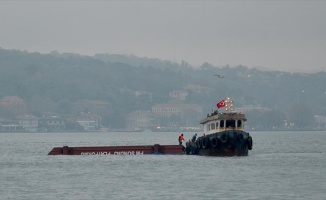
column 181, row 138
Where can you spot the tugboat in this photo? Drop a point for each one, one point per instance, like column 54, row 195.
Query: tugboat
column 223, row 134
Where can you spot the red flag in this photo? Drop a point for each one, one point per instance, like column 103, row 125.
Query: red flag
column 220, row 104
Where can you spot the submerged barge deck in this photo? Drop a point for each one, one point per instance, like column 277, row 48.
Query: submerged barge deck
column 118, row 150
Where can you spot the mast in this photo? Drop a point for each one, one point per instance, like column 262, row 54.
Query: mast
column 228, row 104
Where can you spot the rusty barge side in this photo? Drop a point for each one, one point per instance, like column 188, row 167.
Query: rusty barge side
column 118, row 150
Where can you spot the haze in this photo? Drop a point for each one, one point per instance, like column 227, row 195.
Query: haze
column 278, row 35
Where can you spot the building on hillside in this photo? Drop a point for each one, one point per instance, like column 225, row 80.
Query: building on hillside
column 51, row 124
column 89, row 122
column 172, row 116
column 91, row 106
column 9, row 126
column 13, row 104
column 321, row 122
column 177, row 109
column 179, row 95
column 29, row 123
column 12, row 101
column 140, row 120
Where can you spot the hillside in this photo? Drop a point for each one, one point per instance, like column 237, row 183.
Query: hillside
column 57, row 82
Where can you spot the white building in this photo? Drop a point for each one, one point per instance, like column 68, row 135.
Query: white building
column 321, row 121
column 28, row 122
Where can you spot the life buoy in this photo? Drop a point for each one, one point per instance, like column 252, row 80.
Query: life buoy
column 223, row 138
column 204, row 142
column 213, row 141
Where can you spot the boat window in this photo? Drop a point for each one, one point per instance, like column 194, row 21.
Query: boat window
column 222, row 124
column 216, row 125
column 212, row 126
column 230, row 123
column 208, row 127
column 239, row 125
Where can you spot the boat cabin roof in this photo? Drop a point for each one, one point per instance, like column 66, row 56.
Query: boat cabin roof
column 226, row 116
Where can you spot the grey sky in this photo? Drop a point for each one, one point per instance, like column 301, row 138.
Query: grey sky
column 278, row 35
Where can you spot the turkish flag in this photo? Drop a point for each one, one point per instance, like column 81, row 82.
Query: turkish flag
column 220, row 104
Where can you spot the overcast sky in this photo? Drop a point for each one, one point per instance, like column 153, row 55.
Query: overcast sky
column 278, row 35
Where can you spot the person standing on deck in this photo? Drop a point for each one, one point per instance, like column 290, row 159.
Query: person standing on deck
column 181, row 138
column 194, row 138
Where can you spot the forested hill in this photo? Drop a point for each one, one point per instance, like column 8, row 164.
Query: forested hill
column 55, row 82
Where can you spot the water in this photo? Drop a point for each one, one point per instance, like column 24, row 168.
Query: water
column 282, row 165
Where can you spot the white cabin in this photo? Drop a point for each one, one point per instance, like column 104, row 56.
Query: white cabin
column 218, row 122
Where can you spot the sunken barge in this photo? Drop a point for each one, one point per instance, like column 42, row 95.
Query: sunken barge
column 119, row 150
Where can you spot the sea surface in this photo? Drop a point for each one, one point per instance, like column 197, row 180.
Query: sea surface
column 282, row 165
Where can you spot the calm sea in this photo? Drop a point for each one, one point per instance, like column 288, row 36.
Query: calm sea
column 282, row 165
